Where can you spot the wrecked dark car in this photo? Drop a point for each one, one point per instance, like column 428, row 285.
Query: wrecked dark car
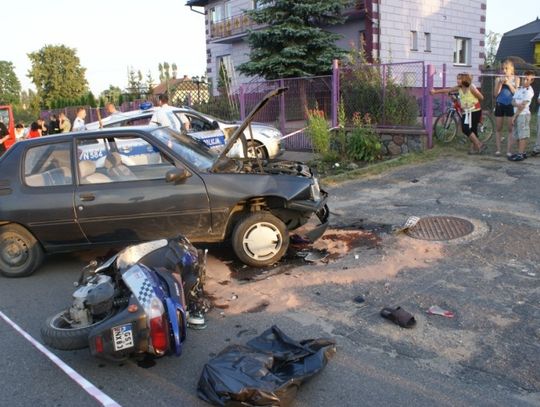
column 123, row 185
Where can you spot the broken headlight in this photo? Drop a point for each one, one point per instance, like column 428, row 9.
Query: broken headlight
column 315, row 189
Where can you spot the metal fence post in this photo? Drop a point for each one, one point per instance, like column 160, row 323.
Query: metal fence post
column 335, row 92
column 383, row 116
column 242, row 98
column 429, row 109
column 282, row 118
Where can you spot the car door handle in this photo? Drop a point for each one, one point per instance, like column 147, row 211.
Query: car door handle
column 87, row 197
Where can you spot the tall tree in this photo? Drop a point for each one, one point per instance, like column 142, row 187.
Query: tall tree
column 10, row 87
column 57, row 74
column 293, row 42
column 491, row 45
column 112, row 94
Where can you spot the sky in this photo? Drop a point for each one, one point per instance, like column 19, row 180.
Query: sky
column 112, row 36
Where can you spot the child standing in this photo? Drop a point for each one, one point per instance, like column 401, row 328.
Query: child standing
column 469, row 98
column 504, row 90
column 522, row 116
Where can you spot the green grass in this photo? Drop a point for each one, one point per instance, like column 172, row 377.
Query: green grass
column 457, row 148
column 381, row 166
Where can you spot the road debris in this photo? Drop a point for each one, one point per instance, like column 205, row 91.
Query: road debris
column 436, row 310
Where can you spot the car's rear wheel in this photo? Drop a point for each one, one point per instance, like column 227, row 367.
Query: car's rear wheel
column 260, row 239
column 256, row 149
column 20, row 253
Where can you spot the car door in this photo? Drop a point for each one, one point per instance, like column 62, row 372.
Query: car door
column 125, row 197
column 48, row 190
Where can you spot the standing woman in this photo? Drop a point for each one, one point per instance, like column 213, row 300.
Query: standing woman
column 469, row 99
column 504, row 90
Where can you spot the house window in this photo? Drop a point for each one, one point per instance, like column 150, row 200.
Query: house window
column 427, row 41
column 362, row 40
column 414, row 41
column 225, row 71
column 462, row 51
column 220, row 12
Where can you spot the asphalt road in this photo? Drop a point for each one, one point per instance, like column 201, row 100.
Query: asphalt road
column 488, row 355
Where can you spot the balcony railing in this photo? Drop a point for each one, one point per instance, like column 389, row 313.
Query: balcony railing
column 229, row 27
column 240, row 23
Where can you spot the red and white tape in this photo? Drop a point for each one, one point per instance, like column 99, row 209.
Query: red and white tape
column 92, row 390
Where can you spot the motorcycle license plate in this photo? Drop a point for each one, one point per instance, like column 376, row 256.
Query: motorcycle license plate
column 122, row 337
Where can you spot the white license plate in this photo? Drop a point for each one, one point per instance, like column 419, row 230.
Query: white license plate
column 122, row 337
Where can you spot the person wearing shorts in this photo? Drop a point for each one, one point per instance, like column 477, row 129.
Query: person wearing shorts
column 504, row 90
column 522, row 116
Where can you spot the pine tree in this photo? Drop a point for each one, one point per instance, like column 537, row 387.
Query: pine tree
column 294, row 42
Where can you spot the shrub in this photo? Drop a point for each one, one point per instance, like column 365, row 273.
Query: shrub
column 363, row 143
column 318, row 131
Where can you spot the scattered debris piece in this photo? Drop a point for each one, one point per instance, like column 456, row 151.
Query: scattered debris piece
column 409, row 224
column 266, row 372
column 436, row 310
column 414, row 180
column 399, row 317
column 261, row 306
column 359, row 300
column 316, row 255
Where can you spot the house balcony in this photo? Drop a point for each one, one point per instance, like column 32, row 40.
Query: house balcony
column 231, row 29
column 234, row 28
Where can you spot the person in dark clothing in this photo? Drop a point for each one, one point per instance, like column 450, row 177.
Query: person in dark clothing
column 44, row 130
column 4, row 135
column 54, row 125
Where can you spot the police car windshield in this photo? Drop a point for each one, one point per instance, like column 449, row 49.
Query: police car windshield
column 191, row 150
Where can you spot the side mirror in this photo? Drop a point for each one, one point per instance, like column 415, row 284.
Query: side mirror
column 177, row 175
column 215, row 125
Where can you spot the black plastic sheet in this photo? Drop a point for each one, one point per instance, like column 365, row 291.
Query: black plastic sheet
column 266, row 372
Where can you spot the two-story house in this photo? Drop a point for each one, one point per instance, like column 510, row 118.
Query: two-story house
column 440, row 32
column 523, row 42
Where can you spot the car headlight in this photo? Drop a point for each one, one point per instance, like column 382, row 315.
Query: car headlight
column 315, row 190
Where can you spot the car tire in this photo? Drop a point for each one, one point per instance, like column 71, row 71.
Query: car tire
column 260, row 239
column 256, row 149
column 56, row 334
column 20, row 253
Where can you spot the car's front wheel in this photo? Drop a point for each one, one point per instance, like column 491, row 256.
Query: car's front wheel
column 260, row 239
column 20, row 253
column 256, row 149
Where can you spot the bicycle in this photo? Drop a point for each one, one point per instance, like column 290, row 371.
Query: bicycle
column 447, row 124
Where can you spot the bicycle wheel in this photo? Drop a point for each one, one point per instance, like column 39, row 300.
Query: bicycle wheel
column 486, row 127
column 446, row 127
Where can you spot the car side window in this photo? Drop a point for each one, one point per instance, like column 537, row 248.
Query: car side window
column 48, row 165
column 121, row 159
column 197, row 123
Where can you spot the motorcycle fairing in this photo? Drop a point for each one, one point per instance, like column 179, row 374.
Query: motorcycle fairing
column 138, row 279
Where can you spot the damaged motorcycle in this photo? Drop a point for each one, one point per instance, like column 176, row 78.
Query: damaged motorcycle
column 137, row 302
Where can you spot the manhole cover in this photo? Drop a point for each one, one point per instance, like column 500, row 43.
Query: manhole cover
column 440, row 228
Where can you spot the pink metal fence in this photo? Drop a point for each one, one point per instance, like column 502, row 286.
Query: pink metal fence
column 393, row 94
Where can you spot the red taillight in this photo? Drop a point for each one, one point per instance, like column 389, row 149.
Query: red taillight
column 159, row 334
column 98, row 342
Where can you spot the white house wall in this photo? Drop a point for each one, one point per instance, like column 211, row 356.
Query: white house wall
column 444, row 20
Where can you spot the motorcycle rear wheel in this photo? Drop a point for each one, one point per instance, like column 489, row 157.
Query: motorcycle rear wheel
column 58, row 334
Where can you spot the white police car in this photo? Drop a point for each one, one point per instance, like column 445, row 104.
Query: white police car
column 213, row 132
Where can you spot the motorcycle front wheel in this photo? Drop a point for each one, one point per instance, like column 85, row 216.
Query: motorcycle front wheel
column 59, row 334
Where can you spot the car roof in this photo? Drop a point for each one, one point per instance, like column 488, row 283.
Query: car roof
column 98, row 132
